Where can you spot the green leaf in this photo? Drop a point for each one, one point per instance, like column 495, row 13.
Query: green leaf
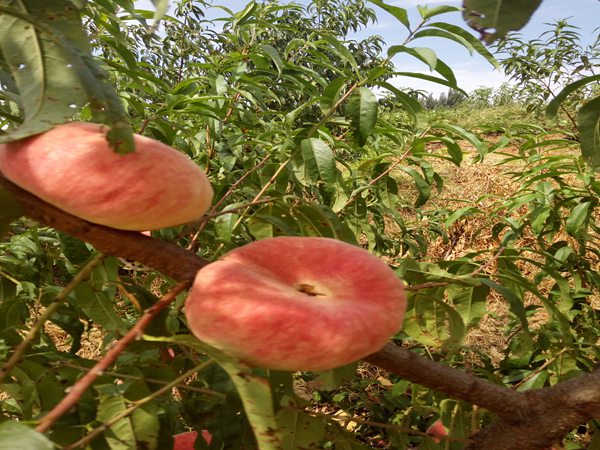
column 299, row 429
column 342, row 50
column 553, row 106
column 399, row 13
column 428, row 12
column 411, row 105
column 578, row 217
column 271, row 221
column 120, row 435
column 334, row 378
column 245, row 14
column 75, row 250
column 318, row 161
column 10, row 210
column 16, row 436
column 274, row 55
column 421, row 184
column 469, row 41
column 498, row 16
column 430, row 321
column 362, row 109
column 469, row 302
column 516, row 304
column 96, row 297
column 423, row 76
column 318, row 220
column 424, row 54
column 48, row 54
column 464, row 134
column 331, row 94
column 588, row 121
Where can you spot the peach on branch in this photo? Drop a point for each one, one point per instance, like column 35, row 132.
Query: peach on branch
column 437, row 431
column 73, row 168
column 187, row 439
column 296, row 303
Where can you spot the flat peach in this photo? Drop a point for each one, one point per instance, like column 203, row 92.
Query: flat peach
column 296, row 303
column 73, row 168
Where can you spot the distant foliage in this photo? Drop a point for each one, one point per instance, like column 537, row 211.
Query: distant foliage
column 542, row 67
column 444, row 100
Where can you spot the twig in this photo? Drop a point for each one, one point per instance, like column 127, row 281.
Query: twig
column 230, row 191
column 105, row 426
column 257, row 197
column 51, row 309
column 125, row 376
column 488, row 263
column 418, row 287
column 84, row 382
column 378, row 177
column 332, row 110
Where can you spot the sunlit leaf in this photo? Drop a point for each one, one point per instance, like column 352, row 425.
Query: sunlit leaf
column 399, row 13
column 362, row 109
column 578, row 217
column 554, row 105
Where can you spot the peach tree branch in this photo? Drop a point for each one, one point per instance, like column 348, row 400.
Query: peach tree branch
column 524, row 418
column 78, row 389
column 41, row 320
column 167, row 258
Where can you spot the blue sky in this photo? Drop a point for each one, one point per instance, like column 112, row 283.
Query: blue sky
column 471, row 71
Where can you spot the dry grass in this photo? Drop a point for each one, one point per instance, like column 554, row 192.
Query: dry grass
column 487, row 186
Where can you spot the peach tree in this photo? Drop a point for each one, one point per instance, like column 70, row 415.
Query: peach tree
column 279, row 105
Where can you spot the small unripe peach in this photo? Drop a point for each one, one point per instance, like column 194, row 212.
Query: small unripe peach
column 73, row 168
column 296, row 303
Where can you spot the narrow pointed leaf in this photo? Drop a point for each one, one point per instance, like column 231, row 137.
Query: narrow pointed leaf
column 553, row 106
column 362, row 109
column 399, row 13
column 588, row 120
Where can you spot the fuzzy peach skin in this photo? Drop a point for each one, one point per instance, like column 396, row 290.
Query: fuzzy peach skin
column 73, row 168
column 437, row 431
column 296, row 303
column 187, row 440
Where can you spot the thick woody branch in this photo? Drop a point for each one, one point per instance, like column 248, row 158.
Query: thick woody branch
column 455, row 383
column 171, row 260
column 533, row 420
